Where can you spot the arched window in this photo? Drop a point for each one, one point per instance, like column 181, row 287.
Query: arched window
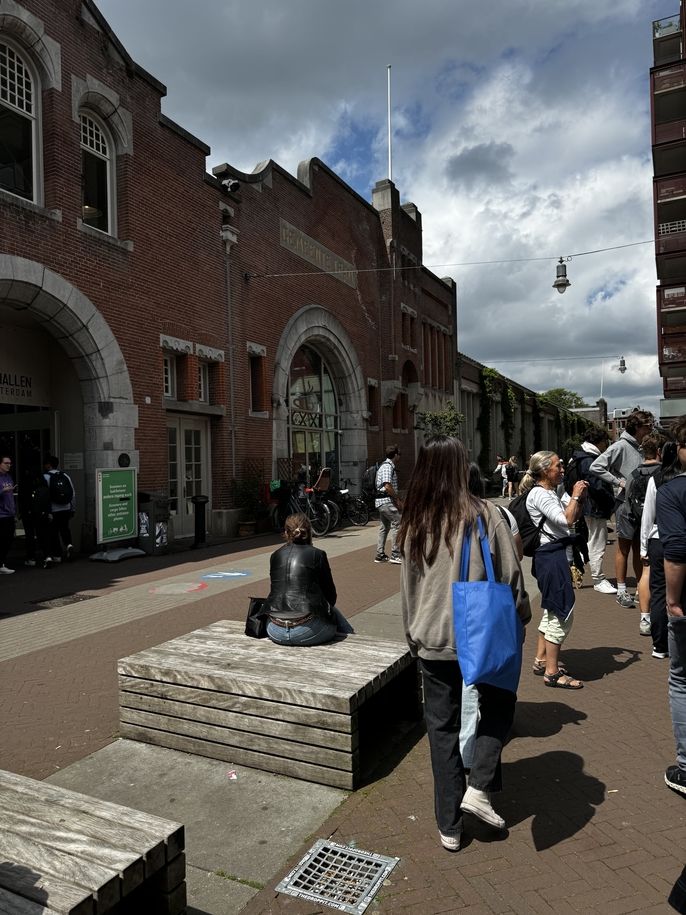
column 96, row 175
column 313, row 415
column 19, row 105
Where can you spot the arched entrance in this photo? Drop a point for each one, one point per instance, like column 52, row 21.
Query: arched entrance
column 319, row 398
column 64, row 373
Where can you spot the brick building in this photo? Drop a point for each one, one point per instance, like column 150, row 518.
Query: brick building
column 202, row 326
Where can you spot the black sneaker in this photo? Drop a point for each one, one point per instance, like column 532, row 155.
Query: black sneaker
column 675, row 778
column 381, row 557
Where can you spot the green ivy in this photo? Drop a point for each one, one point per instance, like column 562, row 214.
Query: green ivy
column 536, row 420
column 440, row 422
column 507, row 405
column 483, row 424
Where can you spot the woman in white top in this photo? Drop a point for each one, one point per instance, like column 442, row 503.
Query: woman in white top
column 556, row 518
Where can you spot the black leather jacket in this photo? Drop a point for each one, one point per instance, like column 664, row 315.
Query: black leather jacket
column 301, row 582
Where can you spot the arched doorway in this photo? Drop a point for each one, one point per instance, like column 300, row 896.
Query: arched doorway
column 56, row 345
column 313, row 421
column 317, row 336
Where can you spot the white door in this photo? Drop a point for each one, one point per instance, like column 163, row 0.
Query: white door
column 188, row 469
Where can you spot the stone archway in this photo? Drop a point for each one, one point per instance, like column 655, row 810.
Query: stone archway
column 316, row 327
column 110, row 416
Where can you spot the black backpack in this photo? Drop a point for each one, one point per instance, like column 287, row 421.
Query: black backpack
column 572, row 474
column 637, row 489
column 39, row 500
column 61, row 490
column 369, row 490
column 528, row 531
column 511, row 472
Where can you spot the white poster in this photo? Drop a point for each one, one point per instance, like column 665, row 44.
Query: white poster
column 24, row 367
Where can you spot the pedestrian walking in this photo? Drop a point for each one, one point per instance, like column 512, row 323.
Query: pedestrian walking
column 439, row 510
column 615, row 465
column 555, row 518
column 62, row 506
column 512, row 476
column 8, row 511
column 389, row 506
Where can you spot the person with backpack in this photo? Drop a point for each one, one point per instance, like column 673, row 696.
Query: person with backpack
column 512, row 474
column 615, row 466
column 389, row 506
column 598, row 506
column 554, row 519
column 62, row 505
column 636, row 490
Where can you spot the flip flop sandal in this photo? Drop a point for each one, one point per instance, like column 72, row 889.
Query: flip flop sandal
column 561, row 681
column 539, row 668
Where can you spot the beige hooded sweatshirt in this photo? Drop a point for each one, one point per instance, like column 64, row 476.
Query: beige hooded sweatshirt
column 426, row 594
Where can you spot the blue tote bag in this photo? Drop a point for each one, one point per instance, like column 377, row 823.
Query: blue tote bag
column 488, row 631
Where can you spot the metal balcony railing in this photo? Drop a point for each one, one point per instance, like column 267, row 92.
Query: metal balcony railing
column 664, row 27
column 672, row 228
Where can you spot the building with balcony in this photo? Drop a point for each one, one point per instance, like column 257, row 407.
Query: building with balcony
column 668, row 137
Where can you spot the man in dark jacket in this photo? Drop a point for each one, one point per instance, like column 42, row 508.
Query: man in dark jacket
column 670, row 514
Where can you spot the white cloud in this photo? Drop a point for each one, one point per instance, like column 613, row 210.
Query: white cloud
column 522, row 131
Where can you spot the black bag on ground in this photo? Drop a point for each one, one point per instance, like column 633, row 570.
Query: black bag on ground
column 528, row 531
column 257, row 618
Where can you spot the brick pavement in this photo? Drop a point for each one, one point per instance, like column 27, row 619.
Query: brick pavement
column 592, row 827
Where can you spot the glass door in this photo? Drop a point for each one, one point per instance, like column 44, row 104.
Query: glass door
column 187, row 468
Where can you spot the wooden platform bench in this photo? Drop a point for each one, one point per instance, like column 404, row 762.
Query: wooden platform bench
column 64, row 852
column 310, row 713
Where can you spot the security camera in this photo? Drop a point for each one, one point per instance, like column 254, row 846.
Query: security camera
column 231, row 185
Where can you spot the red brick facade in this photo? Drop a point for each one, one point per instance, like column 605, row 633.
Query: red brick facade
column 228, row 284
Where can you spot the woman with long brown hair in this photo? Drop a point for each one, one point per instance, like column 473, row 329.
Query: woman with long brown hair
column 439, row 510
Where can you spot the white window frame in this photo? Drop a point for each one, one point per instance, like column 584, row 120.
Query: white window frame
column 36, row 118
column 169, row 376
column 203, row 382
column 108, row 156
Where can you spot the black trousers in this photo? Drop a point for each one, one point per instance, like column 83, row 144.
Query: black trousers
column 442, row 682
column 658, row 594
column 60, row 535
column 6, row 537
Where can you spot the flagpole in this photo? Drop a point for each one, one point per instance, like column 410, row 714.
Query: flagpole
column 390, row 153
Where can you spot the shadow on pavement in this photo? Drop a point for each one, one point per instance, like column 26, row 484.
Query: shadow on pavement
column 553, row 789
column 596, row 663
column 543, row 719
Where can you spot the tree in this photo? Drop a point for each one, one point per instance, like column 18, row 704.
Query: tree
column 440, row 422
column 569, row 400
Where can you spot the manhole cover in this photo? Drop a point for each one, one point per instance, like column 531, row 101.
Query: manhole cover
column 50, row 602
column 339, row 876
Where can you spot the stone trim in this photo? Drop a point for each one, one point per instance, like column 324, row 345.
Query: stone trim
column 176, row 345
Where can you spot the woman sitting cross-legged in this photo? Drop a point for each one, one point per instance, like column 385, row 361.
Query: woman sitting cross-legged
column 302, row 600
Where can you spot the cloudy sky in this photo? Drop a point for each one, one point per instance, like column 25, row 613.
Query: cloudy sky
column 521, row 131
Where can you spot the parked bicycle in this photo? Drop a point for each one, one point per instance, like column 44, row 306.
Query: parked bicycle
column 349, row 507
column 294, row 498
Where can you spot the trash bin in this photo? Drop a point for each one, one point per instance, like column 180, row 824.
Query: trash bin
column 153, row 523
column 199, row 503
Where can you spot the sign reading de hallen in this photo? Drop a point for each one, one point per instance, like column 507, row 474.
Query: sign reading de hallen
column 24, row 372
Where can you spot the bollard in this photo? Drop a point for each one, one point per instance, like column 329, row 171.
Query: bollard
column 199, row 503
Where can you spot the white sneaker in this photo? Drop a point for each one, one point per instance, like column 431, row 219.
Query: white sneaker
column 644, row 627
column 450, row 843
column 478, row 803
column 605, row 587
column 5, row 571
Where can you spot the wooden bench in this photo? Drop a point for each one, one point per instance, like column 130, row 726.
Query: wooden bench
column 303, row 712
column 64, row 852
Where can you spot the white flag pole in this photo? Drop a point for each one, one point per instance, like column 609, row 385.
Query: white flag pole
column 390, row 152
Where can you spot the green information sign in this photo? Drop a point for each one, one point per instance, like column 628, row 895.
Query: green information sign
column 116, row 509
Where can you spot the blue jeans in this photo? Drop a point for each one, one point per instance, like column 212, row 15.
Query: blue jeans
column 677, row 684
column 469, row 721
column 315, row 631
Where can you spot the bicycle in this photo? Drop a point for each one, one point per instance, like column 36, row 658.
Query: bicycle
column 349, row 507
column 304, row 500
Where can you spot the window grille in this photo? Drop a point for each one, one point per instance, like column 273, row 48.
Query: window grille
column 16, row 85
column 92, row 137
column 672, row 228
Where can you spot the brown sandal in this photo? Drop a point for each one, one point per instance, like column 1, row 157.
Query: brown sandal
column 539, row 667
column 562, row 681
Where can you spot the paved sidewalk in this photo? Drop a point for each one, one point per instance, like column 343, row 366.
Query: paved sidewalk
column 592, row 827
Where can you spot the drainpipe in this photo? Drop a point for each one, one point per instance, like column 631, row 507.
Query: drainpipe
column 229, row 235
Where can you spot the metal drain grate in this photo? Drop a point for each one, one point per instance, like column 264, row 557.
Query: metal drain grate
column 339, row 876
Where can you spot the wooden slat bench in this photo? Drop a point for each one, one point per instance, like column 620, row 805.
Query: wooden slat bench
column 295, row 711
column 64, row 852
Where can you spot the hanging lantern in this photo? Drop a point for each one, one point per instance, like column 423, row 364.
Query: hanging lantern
column 621, row 368
column 561, row 281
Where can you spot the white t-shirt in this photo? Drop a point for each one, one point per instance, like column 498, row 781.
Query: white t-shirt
column 546, row 503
